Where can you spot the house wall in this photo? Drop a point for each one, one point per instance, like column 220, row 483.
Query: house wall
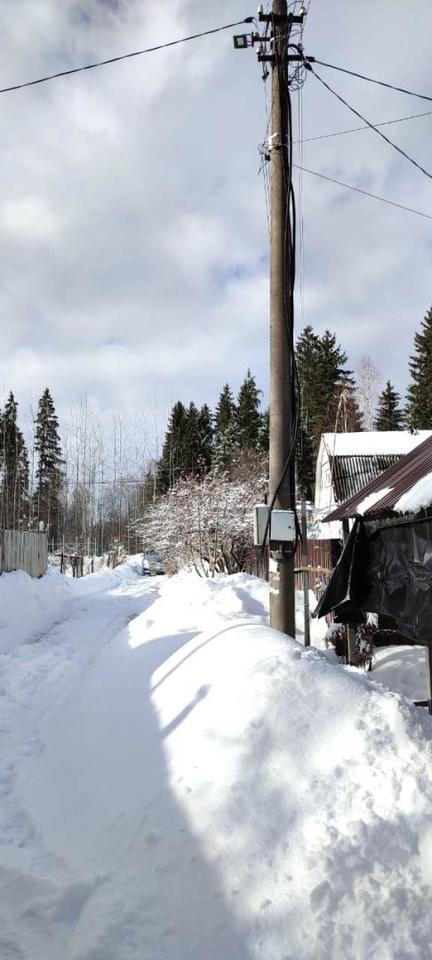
column 324, row 493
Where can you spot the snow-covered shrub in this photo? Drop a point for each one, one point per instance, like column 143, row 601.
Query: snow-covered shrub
column 205, row 523
column 364, row 642
column 365, row 636
column 336, row 637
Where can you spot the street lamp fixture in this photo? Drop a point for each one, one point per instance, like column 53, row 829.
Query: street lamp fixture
column 241, row 41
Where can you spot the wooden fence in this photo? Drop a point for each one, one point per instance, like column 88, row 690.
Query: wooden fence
column 322, row 557
column 23, row 550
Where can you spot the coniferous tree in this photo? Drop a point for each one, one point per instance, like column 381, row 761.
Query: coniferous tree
column 264, row 434
column 206, row 433
column 49, row 470
column 192, row 441
column 171, row 464
column 419, row 405
column 335, row 379
column 389, row 412
column 321, row 365
column 188, row 445
column 14, row 468
column 344, row 415
column 226, row 439
column 225, row 412
column 305, row 462
column 248, row 418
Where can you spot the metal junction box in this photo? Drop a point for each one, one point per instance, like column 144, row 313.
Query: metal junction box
column 282, row 527
column 260, row 518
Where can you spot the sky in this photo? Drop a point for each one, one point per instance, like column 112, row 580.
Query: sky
column 133, row 229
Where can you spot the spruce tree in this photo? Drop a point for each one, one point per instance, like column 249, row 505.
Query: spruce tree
column 171, row 464
column 305, row 462
column 49, row 471
column 264, row 434
column 225, row 411
column 206, row 432
column 419, row 405
column 321, row 365
column 188, row 445
column 14, row 469
column 344, row 415
column 248, row 418
column 389, row 413
column 226, row 438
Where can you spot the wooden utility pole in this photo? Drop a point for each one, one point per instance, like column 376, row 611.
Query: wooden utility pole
column 274, row 48
column 281, row 574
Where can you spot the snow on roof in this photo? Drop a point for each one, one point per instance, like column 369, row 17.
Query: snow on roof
column 396, row 442
column 372, row 499
column 420, row 495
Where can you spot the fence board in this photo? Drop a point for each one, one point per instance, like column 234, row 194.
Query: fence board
column 23, row 550
column 322, row 557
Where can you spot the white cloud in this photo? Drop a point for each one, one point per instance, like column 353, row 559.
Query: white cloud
column 133, row 230
column 30, row 219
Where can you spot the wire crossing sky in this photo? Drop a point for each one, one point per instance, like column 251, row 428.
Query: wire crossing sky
column 371, row 125
column 133, row 235
column 124, row 56
column 380, row 83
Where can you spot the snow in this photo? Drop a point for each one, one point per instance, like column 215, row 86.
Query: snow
column 374, row 442
column 403, row 669
column 178, row 781
column 29, row 607
column 420, row 495
column 372, row 499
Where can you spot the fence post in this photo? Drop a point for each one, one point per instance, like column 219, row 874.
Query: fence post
column 305, row 574
column 352, row 659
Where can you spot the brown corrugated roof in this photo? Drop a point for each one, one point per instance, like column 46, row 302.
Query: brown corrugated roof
column 400, row 477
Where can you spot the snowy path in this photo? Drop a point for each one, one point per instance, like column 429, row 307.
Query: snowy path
column 180, row 782
column 98, row 853
column 36, row 678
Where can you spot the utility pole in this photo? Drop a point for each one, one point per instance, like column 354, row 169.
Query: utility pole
column 281, row 491
column 274, row 48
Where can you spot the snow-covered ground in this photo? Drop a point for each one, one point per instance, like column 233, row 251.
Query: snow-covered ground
column 180, row 782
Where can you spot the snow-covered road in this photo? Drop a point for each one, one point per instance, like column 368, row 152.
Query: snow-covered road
column 179, row 782
column 97, row 859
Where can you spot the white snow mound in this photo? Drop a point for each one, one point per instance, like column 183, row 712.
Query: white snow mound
column 28, row 606
column 180, row 782
column 310, row 790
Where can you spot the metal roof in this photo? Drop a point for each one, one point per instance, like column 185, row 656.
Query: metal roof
column 350, row 474
column 400, row 477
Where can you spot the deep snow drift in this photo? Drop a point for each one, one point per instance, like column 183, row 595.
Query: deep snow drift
column 180, row 782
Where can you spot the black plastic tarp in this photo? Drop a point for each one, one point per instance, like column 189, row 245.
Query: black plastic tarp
column 385, row 569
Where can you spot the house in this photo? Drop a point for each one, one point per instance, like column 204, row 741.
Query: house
column 347, row 462
column 386, row 565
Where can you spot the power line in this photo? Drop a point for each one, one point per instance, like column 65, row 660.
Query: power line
column 381, row 83
column 125, row 56
column 365, row 126
column 365, row 193
column 371, row 125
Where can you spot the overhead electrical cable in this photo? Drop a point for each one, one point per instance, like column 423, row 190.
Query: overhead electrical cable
column 124, row 56
column 381, row 83
column 365, row 126
column 371, row 125
column 366, row 193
